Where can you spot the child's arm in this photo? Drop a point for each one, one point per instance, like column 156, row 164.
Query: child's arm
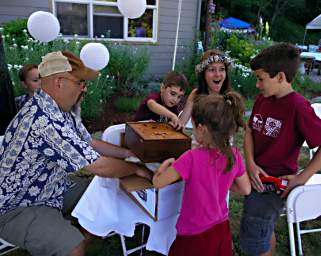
column 242, row 185
column 163, row 111
column 165, row 174
column 252, row 168
column 295, row 180
column 186, row 114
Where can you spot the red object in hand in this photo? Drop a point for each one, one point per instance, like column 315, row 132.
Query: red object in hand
column 271, row 183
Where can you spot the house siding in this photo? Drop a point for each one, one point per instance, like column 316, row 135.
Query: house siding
column 161, row 52
column 19, row 9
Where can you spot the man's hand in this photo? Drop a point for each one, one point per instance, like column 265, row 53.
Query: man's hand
column 143, row 172
column 293, row 181
column 254, row 172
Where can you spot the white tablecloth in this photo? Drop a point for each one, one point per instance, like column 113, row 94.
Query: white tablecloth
column 104, row 208
column 313, row 55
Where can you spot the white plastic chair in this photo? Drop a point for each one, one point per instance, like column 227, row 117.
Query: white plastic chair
column 113, row 135
column 317, row 110
column 6, row 247
column 303, row 204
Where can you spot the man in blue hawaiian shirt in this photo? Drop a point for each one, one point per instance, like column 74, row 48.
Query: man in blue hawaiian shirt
column 42, row 145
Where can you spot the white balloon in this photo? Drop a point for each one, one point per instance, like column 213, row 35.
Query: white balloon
column 132, row 9
column 43, row 26
column 94, row 56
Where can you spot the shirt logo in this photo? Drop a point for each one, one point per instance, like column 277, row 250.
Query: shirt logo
column 272, row 127
column 257, row 122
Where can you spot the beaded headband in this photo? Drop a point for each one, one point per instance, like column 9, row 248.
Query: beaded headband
column 213, row 58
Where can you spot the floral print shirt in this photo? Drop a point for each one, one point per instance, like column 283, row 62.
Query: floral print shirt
column 41, row 146
column 21, row 100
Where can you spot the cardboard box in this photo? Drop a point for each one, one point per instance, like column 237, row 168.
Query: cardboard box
column 157, row 203
column 155, row 142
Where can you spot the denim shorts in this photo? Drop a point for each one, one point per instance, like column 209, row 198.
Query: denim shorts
column 260, row 213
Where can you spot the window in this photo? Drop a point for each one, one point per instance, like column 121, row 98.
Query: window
column 102, row 19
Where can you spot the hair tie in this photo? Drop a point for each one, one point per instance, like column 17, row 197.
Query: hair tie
column 227, row 100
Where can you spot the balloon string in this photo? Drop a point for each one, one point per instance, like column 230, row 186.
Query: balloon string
column 177, row 29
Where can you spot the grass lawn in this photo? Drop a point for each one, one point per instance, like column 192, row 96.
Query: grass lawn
column 111, row 246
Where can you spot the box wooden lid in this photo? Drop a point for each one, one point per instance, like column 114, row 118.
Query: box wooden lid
column 156, row 131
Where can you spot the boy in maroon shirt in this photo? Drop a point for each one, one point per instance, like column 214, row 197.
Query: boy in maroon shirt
column 280, row 122
column 162, row 106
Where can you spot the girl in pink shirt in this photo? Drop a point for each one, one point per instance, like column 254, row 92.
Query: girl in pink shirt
column 209, row 171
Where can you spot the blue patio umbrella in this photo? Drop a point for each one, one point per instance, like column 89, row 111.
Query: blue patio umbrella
column 233, row 23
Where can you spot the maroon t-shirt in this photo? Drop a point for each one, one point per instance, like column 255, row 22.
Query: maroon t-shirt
column 279, row 128
column 144, row 113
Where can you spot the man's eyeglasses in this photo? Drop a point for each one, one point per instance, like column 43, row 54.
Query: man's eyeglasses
column 81, row 83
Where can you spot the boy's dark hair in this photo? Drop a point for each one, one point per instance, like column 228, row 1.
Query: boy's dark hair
column 222, row 115
column 202, row 84
column 174, row 78
column 24, row 71
column 281, row 57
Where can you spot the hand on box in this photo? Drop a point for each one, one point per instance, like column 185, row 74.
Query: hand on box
column 254, row 171
column 176, row 123
column 142, row 172
column 167, row 163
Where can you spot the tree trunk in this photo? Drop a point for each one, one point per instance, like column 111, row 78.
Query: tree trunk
column 7, row 104
column 280, row 5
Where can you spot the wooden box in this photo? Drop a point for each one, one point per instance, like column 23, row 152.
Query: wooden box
column 157, row 203
column 155, row 142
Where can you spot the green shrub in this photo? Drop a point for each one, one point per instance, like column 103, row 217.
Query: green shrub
column 123, row 73
column 187, row 67
column 244, row 82
column 219, row 40
column 307, row 87
column 126, row 104
column 241, row 50
column 128, row 66
column 17, row 30
column 98, row 91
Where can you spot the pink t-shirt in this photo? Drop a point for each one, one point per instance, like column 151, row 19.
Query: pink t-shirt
column 206, row 188
column 279, row 128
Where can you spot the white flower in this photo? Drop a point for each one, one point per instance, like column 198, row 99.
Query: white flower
column 62, row 163
column 49, row 152
column 34, row 190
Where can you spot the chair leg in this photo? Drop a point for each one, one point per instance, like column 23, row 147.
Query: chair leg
column 142, row 240
column 291, row 239
column 298, row 230
column 123, row 245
